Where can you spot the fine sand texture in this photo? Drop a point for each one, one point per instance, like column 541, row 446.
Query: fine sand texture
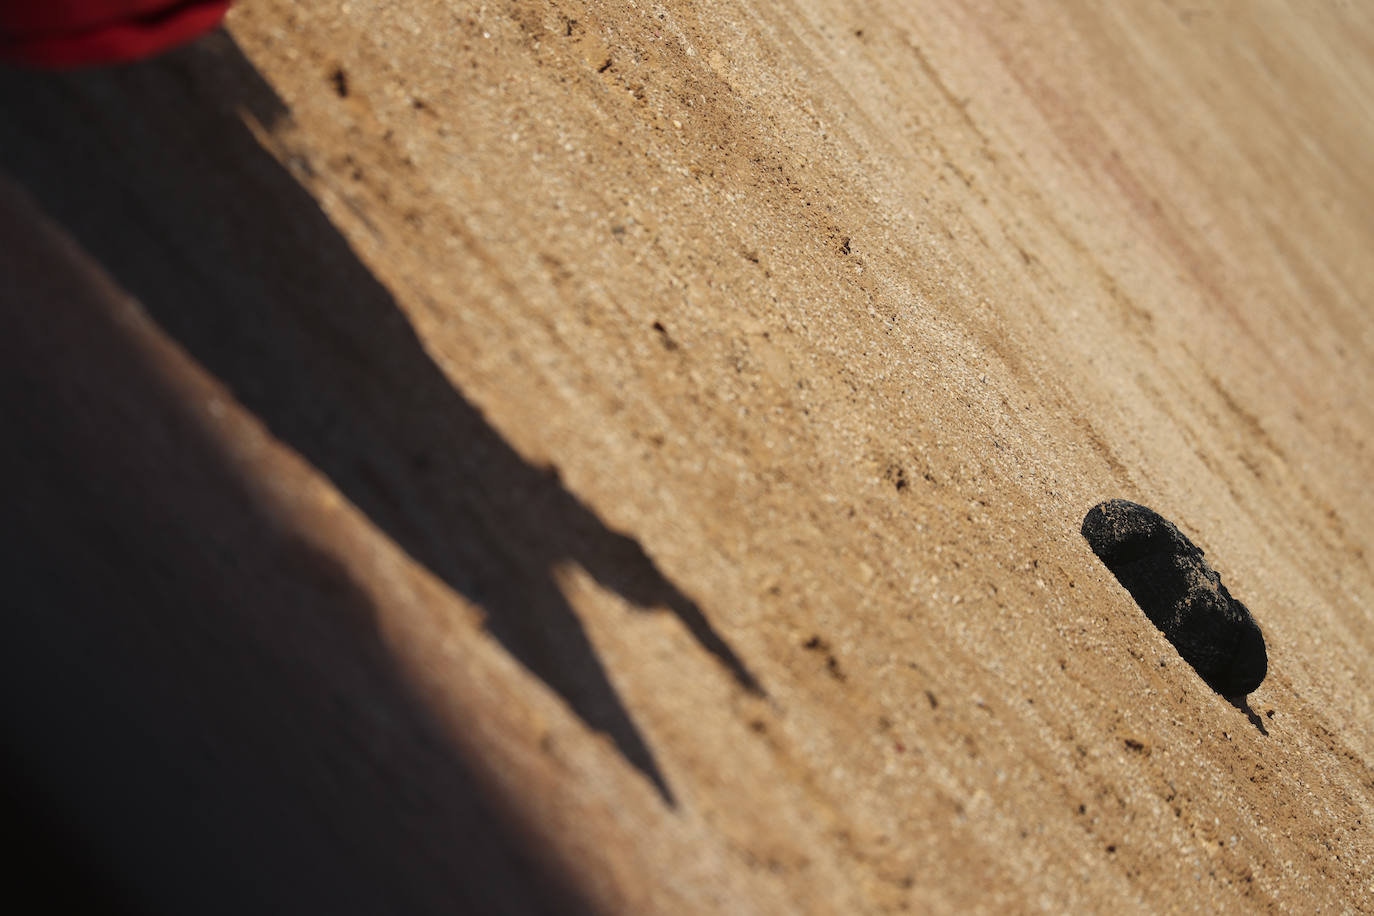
column 630, row 457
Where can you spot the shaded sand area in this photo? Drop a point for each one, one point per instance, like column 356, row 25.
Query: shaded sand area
column 539, row 456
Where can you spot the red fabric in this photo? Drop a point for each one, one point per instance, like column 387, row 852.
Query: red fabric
column 74, row 33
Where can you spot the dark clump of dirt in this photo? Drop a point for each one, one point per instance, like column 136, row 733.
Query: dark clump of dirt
column 1168, row 577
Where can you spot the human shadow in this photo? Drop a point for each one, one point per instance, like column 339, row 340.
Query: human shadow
column 153, row 170
column 198, row 712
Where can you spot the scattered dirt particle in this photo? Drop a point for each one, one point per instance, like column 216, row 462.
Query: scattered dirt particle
column 665, row 337
column 844, row 245
column 604, row 66
column 1137, row 746
column 339, row 80
column 931, row 698
column 832, row 664
column 758, row 727
column 1111, row 848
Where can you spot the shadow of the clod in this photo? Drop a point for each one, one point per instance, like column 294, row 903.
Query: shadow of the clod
column 1255, row 720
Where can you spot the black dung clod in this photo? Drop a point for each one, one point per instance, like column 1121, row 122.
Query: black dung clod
column 1167, row 576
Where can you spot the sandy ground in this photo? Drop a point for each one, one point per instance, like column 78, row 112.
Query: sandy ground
column 630, row 457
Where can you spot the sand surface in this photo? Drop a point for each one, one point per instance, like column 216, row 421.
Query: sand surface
column 630, row 457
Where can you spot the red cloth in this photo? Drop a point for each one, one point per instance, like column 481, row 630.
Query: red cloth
column 76, row 33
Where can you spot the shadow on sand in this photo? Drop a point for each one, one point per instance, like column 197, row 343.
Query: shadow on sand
column 198, row 713
column 1244, row 706
column 151, row 169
